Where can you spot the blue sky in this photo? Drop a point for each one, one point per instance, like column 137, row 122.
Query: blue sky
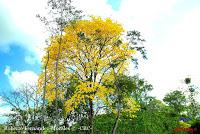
column 115, row 4
column 171, row 29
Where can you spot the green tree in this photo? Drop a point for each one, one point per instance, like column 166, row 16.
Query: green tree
column 155, row 118
column 193, row 106
column 124, row 86
column 176, row 100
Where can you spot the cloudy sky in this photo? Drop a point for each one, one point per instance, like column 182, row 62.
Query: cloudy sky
column 171, row 29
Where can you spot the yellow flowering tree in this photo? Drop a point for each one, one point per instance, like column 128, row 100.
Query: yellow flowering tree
column 93, row 51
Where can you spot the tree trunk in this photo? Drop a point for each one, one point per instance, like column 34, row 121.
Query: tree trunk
column 116, row 123
column 91, row 117
column 44, row 92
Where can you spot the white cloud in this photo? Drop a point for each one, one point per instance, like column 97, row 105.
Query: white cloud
column 146, row 16
column 95, row 7
column 175, row 56
column 7, row 70
column 172, row 41
column 18, row 79
column 5, row 110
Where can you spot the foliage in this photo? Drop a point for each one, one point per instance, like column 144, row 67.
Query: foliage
column 176, row 100
column 156, row 119
column 122, row 97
